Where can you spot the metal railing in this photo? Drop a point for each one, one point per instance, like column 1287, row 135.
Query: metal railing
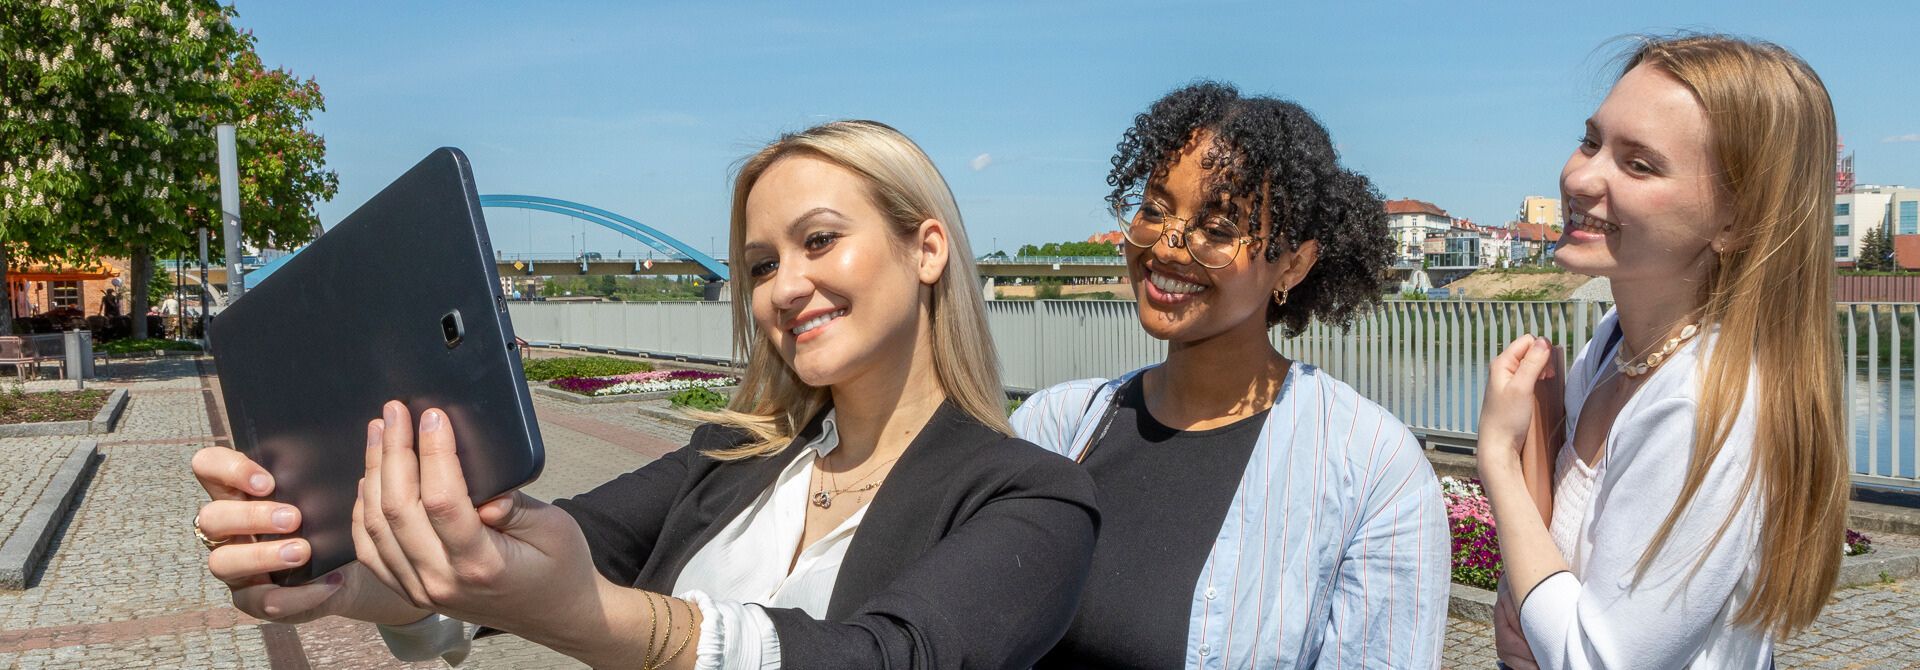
column 1425, row 361
column 1051, row 260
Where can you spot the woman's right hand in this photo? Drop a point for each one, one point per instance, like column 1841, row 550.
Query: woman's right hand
column 239, row 511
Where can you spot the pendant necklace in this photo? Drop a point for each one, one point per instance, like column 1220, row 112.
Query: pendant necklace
column 823, row 498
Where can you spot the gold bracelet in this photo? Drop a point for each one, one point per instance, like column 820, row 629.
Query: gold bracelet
column 693, row 631
column 646, row 659
column 653, row 662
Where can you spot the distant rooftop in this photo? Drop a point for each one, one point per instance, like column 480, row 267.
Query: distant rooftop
column 1411, row 206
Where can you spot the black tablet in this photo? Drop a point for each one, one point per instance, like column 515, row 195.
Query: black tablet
column 399, row 301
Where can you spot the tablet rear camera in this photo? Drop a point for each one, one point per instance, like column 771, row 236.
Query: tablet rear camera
column 452, row 329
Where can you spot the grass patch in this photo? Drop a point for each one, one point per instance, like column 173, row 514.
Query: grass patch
column 545, row 369
column 121, row 347
column 18, row 406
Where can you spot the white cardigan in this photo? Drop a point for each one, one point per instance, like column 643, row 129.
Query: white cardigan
column 1676, row 616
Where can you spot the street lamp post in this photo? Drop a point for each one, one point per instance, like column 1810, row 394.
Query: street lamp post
column 230, row 207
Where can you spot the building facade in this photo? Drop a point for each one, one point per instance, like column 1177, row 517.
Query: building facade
column 1866, row 209
column 1411, row 222
column 1540, row 210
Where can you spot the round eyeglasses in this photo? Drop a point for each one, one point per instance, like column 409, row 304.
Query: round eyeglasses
column 1213, row 240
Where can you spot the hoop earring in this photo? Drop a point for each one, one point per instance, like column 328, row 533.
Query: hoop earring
column 1280, row 298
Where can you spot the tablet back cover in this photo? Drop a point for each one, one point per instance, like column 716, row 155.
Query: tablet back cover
column 359, row 317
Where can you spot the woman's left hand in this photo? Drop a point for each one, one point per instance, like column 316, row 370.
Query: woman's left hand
column 513, row 563
column 1507, row 410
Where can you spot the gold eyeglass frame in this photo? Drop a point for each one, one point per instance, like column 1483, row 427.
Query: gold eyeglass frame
column 1137, row 203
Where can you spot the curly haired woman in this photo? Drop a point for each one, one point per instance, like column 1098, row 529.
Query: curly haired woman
column 1256, row 513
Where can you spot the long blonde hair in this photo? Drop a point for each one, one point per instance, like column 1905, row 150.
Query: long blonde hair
column 773, row 404
column 1772, row 129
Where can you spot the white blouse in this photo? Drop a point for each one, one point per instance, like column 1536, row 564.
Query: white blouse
column 744, row 568
column 1605, row 515
column 730, row 579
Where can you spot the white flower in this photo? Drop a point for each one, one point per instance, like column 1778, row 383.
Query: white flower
column 195, row 30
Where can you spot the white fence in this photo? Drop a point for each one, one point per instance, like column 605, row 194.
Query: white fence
column 1423, row 360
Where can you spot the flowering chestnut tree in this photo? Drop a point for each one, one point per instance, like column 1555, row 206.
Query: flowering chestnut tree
column 107, row 109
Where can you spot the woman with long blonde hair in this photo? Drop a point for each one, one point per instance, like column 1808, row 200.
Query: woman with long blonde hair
column 859, row 505
column 1700, row 498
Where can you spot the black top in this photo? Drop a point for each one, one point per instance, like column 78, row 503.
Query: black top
column 1163, row 494
column 972, row 554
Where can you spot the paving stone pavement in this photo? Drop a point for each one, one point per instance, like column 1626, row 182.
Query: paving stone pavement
column 26, row 464
column 1874, row 626
column 127, row 585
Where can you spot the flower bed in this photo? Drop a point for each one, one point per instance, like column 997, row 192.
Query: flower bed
column 1476, row 551
column 18, row 406
column 1476, row 548
column 642, row 382
column 1857, row 543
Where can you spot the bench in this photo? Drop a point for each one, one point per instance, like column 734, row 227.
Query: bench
column 22, row 352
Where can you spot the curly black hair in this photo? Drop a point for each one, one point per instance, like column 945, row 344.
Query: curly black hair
column 1262, row 142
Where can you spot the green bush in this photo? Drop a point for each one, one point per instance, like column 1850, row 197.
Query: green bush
column 582, row 366
column 700, row 399
column 1522, row 294
column 1047, row 289
column 1413, row 294
column 139, row 346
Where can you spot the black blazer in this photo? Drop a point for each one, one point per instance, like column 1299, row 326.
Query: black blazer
column 971, row 555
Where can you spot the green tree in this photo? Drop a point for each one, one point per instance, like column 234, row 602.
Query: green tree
column 159, row 286
column 1070, row 249
column 107, row 111
column 100, row 105
column 1876, row 252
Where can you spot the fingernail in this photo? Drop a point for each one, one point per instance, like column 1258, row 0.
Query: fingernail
column 335, row 579
column 391, row 411
column 290, row 552
column 259, row 482
column 430, row 421
column 283, row 518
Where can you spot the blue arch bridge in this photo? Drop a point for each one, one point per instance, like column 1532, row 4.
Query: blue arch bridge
column 673, row 257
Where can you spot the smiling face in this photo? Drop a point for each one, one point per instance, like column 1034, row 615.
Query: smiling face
column 1182, row 301
column 836, row 291
column 1642, row 191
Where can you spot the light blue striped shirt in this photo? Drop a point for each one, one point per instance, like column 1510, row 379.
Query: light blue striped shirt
column 1334, row 552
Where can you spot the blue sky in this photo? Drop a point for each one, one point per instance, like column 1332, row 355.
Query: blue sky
column 642, row 108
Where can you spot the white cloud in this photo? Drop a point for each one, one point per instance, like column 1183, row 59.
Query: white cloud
column 980, row 162
column 1909, row 137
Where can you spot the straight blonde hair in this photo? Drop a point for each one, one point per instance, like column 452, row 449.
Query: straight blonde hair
column 773, row 404
column 1771, row 127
